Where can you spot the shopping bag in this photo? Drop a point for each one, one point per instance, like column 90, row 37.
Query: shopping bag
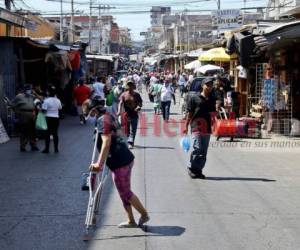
column 109, row 99
column 41, row 123
column 185, row 143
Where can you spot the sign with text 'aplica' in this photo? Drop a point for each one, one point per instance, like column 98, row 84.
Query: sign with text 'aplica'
column 227, row 19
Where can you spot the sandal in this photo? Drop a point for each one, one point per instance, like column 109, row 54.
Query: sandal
column 127, row 224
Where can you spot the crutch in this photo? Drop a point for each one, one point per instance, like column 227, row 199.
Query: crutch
column 96, row 184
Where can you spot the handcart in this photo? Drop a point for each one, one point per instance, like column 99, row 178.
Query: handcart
column 231, row 128
column 95, row 182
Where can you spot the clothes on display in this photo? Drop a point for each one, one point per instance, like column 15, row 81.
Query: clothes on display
column 274, row 94
column 58, row 68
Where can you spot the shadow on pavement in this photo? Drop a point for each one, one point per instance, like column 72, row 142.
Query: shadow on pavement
column 151, row 231
column 238, row 179
column 164, row 230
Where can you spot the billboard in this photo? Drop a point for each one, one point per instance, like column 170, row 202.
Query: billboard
column 227, row 19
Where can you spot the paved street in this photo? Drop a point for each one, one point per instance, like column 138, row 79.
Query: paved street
column 250, row 199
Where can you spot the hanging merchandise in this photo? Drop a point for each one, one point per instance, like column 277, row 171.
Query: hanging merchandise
column 242, row 72
column 74, row 56
column 268, row 93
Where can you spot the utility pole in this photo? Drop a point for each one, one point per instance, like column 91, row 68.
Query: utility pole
column 277, row 9
column 61, row 32
column 8, row 7
column 100, row 30
column 219, row 8
column 188, row 33
column 90, row 27
column 99, row 8
column 72, row 21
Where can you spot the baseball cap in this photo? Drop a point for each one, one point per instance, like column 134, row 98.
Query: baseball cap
column 207, row 81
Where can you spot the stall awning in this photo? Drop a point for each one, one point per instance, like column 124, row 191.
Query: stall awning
column 216, row 55
column 193, row 65
column 100, row 57
column 209, row 68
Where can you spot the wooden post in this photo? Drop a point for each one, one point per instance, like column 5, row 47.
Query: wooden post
column 22, row 70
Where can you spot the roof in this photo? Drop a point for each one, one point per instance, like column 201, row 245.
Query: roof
column 28, row 40
column 12, row 18
column 100, row 57
column 277, row 28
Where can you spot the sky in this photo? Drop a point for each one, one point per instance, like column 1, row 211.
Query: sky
column 136, row 22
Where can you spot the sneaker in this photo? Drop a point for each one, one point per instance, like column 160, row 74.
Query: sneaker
column 127, row 224
column 22, row 149
column 143, row 220
column 191, row 174
column 45, row 151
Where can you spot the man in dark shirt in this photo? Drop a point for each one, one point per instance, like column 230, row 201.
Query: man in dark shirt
column 132, row 103
column 200, row 108
column 218, row 93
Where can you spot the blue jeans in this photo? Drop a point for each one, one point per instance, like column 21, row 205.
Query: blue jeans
column 199, row 152
column 165, row 108
column 132, row 124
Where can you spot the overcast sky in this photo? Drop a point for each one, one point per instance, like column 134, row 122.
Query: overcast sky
column 136, row 22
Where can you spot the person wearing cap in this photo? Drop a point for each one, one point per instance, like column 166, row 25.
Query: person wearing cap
column 25, row 110
column 155, row 91
column 200, row 108
column 131, row 102
column 114, row 152
column 51, row 107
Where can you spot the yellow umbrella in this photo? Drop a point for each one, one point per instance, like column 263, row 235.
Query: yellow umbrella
column 216, row 55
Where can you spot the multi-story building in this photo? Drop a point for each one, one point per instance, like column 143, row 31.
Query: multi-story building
column 106, row 26
column 185, row 32
column 114, row 38
column 278, row 8
column 157, row 13
column 125, row 41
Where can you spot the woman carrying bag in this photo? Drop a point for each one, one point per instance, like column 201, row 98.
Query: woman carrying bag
column 51, row 107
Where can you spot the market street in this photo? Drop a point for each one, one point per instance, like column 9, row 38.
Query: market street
column 250, row 199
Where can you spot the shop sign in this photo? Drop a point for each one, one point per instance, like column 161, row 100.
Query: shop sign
column 11, row 18
column 227, row 19
column 30, row 25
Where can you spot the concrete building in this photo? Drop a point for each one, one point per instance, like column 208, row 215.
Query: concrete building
column 114, row 38
column 185, row 32
column 280, row 8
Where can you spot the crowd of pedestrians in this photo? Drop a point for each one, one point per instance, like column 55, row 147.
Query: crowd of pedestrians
column 113, row 106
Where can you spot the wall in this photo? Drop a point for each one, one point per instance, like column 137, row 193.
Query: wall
column 44, row 28
column 15, row 31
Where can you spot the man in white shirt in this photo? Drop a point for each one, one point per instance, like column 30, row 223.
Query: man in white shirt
column 51, row 107
column 181, row 83
column 99, row 88
column 166, row 96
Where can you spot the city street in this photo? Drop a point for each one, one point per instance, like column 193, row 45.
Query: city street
column 250, row 199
